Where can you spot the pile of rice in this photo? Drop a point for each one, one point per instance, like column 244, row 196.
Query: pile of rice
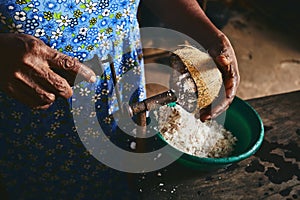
column 188, row 134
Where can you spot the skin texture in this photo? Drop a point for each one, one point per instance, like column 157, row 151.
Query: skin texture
column 36, row 74
column 187, row 17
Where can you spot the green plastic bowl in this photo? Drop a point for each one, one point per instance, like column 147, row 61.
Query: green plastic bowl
column 245, row 124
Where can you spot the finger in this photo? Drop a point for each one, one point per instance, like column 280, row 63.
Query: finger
column 224, row 99
column 230, row 81
column 33, row 97
column 71, row 78
column 218, row 106
column 50, row 81
column 212, row 112
column 70, row 66
column 223, row 61
column 229, row 69
column 228, row 66
column 222, row 102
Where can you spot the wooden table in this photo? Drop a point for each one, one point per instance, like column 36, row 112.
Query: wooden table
column 272, row 173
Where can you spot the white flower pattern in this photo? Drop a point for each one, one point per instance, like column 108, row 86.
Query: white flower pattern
column 63, row 21
column 45, row 143
column 90, row 7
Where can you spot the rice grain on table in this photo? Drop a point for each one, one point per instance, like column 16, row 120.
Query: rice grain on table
column 188, row 134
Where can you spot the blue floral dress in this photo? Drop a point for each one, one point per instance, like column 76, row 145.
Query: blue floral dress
column 42, row 155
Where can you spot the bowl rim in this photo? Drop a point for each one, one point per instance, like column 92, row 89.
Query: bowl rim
column 230, row 159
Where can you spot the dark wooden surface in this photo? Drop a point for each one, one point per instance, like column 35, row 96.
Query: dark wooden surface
column 272, row 173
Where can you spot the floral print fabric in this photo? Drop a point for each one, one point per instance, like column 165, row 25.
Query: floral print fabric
column 41, row 154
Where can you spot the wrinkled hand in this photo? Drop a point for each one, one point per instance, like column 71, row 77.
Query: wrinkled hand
column 223, row 54
column 29, row 71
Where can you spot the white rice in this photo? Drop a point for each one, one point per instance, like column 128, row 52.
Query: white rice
column 188, row 134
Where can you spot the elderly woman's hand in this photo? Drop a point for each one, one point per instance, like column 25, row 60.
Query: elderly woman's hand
column 188, row 18
column 28, row 71
column 222, row 52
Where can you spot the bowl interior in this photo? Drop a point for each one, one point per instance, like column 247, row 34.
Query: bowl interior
column 245, row 124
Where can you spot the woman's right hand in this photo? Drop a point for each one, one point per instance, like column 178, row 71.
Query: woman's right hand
column 28, row 71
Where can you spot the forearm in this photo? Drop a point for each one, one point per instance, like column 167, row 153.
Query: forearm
column 185, row 16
